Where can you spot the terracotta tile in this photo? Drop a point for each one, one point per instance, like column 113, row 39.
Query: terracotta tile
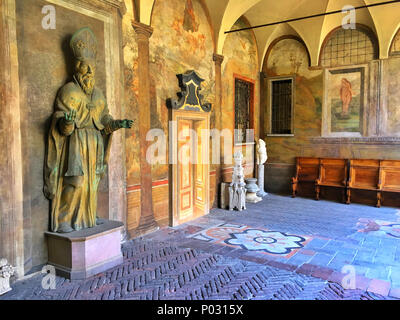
column 306, row 269
column 394, row 293
column 362, row 283
column 336, row 277
column 322, row 273
column 379, row 287
column 307, row 252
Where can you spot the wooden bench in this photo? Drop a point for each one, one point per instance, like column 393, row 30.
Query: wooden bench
column 332, row 173
column 364, row 175
column 356, row 174
column 389, row 176
column 307, row 170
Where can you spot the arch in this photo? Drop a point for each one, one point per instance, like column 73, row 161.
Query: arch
column 360, row 27
column 233, row 12
column 363, row 17
column 394, row 37
column 303, row 40
column 285, row 37
column 244, row 22
column 207, row 13
column 253, row 36
column 145, row 8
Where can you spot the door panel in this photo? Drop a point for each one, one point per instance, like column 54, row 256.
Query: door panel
column 185, row 169
column 200, row 171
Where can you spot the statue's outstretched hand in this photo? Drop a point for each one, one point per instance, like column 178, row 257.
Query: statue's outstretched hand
column 126, row 123
column 70, row 117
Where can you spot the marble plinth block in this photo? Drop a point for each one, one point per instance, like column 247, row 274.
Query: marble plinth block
column 252, row 189
column 82, row 254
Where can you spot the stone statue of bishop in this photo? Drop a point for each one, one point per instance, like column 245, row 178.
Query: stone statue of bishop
column 79, row 142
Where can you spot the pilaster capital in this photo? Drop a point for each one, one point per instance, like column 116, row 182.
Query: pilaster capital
column 142, row 30
column 218, row 58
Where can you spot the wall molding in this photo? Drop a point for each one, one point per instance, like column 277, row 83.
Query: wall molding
column 357, row 140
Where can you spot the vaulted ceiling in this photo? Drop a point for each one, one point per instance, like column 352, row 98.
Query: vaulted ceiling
column 383, row 20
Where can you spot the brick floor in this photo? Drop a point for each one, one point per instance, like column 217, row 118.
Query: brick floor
column 171, row 264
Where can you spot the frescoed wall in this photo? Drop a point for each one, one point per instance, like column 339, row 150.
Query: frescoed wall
column 391, row 87
column 241, row 61
column 130, row 51
column 289, row 57
column 182, row 40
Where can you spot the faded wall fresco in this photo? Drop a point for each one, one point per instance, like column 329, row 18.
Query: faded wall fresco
column 182, row 40
column 289, row 57
column 240, row 59
column 392, row 85
column 130, row 51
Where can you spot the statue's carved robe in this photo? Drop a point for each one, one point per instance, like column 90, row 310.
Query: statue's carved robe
column 77, row 156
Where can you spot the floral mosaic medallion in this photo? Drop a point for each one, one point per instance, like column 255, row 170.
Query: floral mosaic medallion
column 257, row 240
column 379, row 228
column 274, row 242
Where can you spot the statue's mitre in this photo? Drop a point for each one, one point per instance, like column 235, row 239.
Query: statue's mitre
column 84, row 44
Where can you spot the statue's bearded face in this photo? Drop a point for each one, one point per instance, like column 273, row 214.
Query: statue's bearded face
column 84, row 73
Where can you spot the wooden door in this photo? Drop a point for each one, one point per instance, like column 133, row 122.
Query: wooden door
column 200, row 199
column 185, row 169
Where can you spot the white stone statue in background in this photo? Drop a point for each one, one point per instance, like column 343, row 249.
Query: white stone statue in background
column 237, row 190
column 6, row 272
column 262, row 157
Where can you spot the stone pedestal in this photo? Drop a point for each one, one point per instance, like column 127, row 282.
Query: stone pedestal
column 252, row 189
column 261, row 193
column 224, row 195
column 82, row 254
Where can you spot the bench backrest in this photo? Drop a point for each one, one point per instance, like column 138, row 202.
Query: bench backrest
column 333, row 171
column 390, row 175
column 307, row 169
column 364, row 174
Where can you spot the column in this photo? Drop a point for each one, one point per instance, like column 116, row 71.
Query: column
column 263, row 104
column 218, row 59
column 147, row 222
column 11, row 168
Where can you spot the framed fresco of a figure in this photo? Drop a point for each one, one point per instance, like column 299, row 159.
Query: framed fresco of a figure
column 345, row 100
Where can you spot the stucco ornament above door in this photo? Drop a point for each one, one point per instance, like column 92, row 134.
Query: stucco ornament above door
column 190, row 98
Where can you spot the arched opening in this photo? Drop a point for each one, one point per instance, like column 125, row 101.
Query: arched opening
column 349, row 46
column 395, row 46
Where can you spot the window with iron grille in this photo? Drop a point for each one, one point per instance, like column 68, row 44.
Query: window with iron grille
column 243, row 109
column 347, row 47
column 281, row 110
